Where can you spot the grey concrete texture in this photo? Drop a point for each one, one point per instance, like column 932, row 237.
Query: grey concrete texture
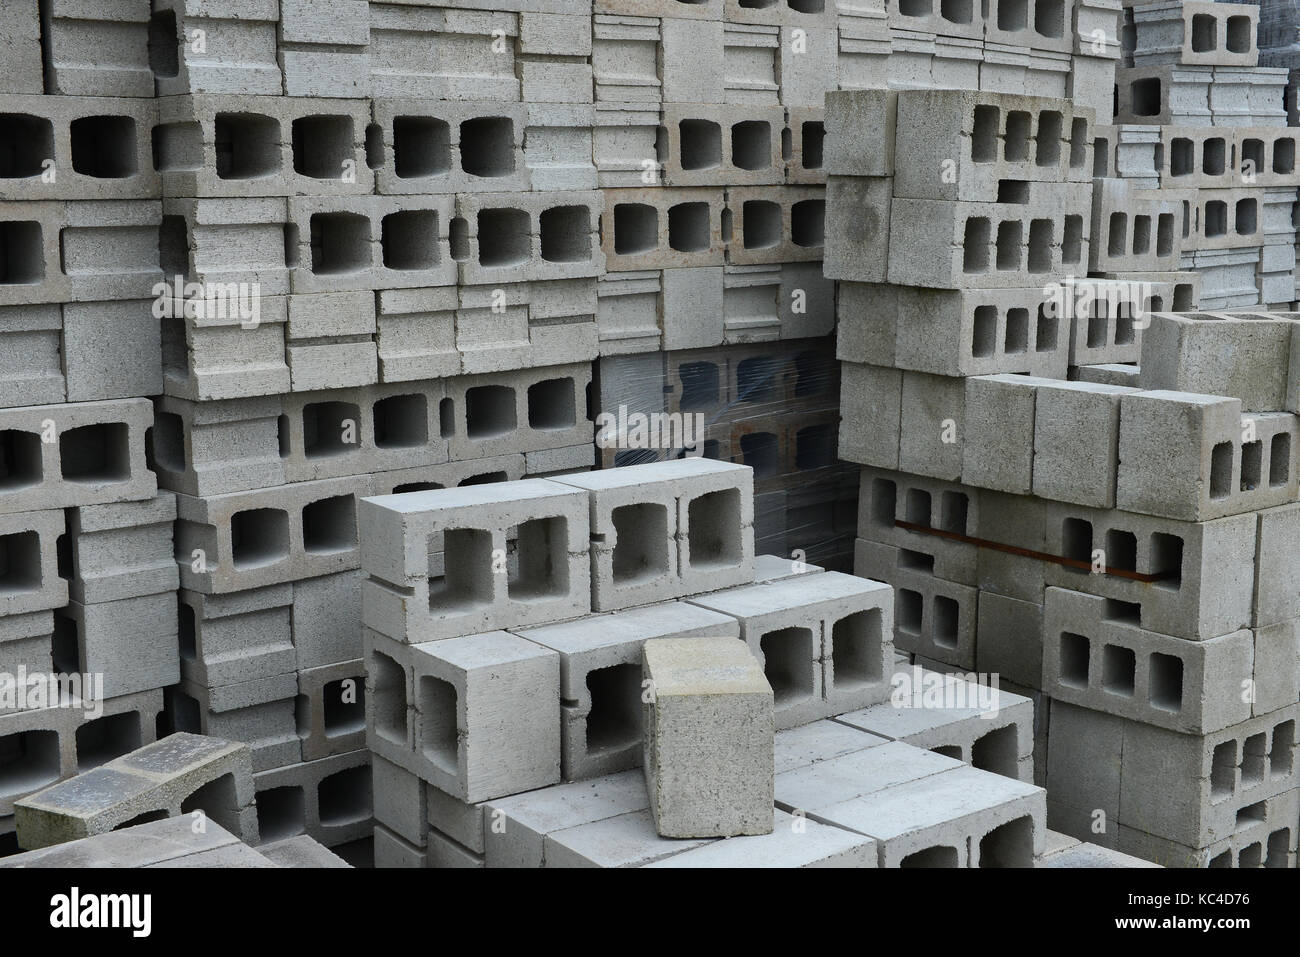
column 182, row 774
column 708, row 753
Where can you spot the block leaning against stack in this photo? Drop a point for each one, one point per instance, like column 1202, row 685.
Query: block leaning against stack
column 1094, row 542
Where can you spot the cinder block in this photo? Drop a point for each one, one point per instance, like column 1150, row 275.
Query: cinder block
column 525, row 820
column 1246, row 358
column 600, row 678
column 1194, row 457
column 668, row 529
column 486, row 714
column 824, row 641
column 29, row 563
column 331, row 799
column 523, row 552
column 1096, row 659
column 708, row 698
column 983, row 726
column 1190, row 580
column 331, row 709
column 132, row 642
column 180, row 774
column 1075, row 423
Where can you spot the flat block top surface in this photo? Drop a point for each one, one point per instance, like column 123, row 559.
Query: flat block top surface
column 568, row 805
column 488, row 648
column 784, row 847
column 861, row 772
column 86, row 794
column 130, row 847
column 634, row 624
column 703, row 666
column 652, row 472
column 467, row 496
column 818, row 741
column 928, row 802
column 750, row 601
column 177, row 752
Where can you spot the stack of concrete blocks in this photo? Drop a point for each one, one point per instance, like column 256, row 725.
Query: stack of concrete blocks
column 87, row 579
column 1057, row 48
column 1091, row 541
column 1279, row 47
column 506, row 705
column 708, row 148
column 422, row 245
column 1200, row 138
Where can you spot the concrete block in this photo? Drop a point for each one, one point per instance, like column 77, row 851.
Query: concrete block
column 1077, row 422
column 524, row 559
column 824, row 641
column 708, row 698
column 330, row 799
column 487, row 715
column 791, row 844
column 180, row 774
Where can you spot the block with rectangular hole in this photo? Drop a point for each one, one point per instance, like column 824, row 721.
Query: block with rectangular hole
column 29, row 561
column 924, row 518
column 241, row 637
column 981, row 725
column 1196, row 457
column 131, row 642
column 179, row 774
column 1264, row 838
column 251, row 539
column 708, row 752
column 1076, row 437
column 1105, row 320
column 1245, row 356
column 775, row 224
column 1026, row 235
column 514, row 237
column 953, row 333
column 486, row 715
column 329, row 433
column 668, row 529
column 922, row 806
column 436, row 146
column 519, row 556
column 1192, row 580
column 825, row 641
column 661, row 227
column 932, row 617
column 225, row 145
column 998, row 143
column 47, row 744
column 371, row 242
column 600, row 678
column 98, row 144
column 331, row 709
column 1195, row 33
column 330, row 799
column 1095, row 656
column 1196, row 790
column 526, row 411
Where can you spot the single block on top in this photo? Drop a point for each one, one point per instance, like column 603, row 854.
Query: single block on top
column 452, row 562
column 668, row 529
column 709, row 754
